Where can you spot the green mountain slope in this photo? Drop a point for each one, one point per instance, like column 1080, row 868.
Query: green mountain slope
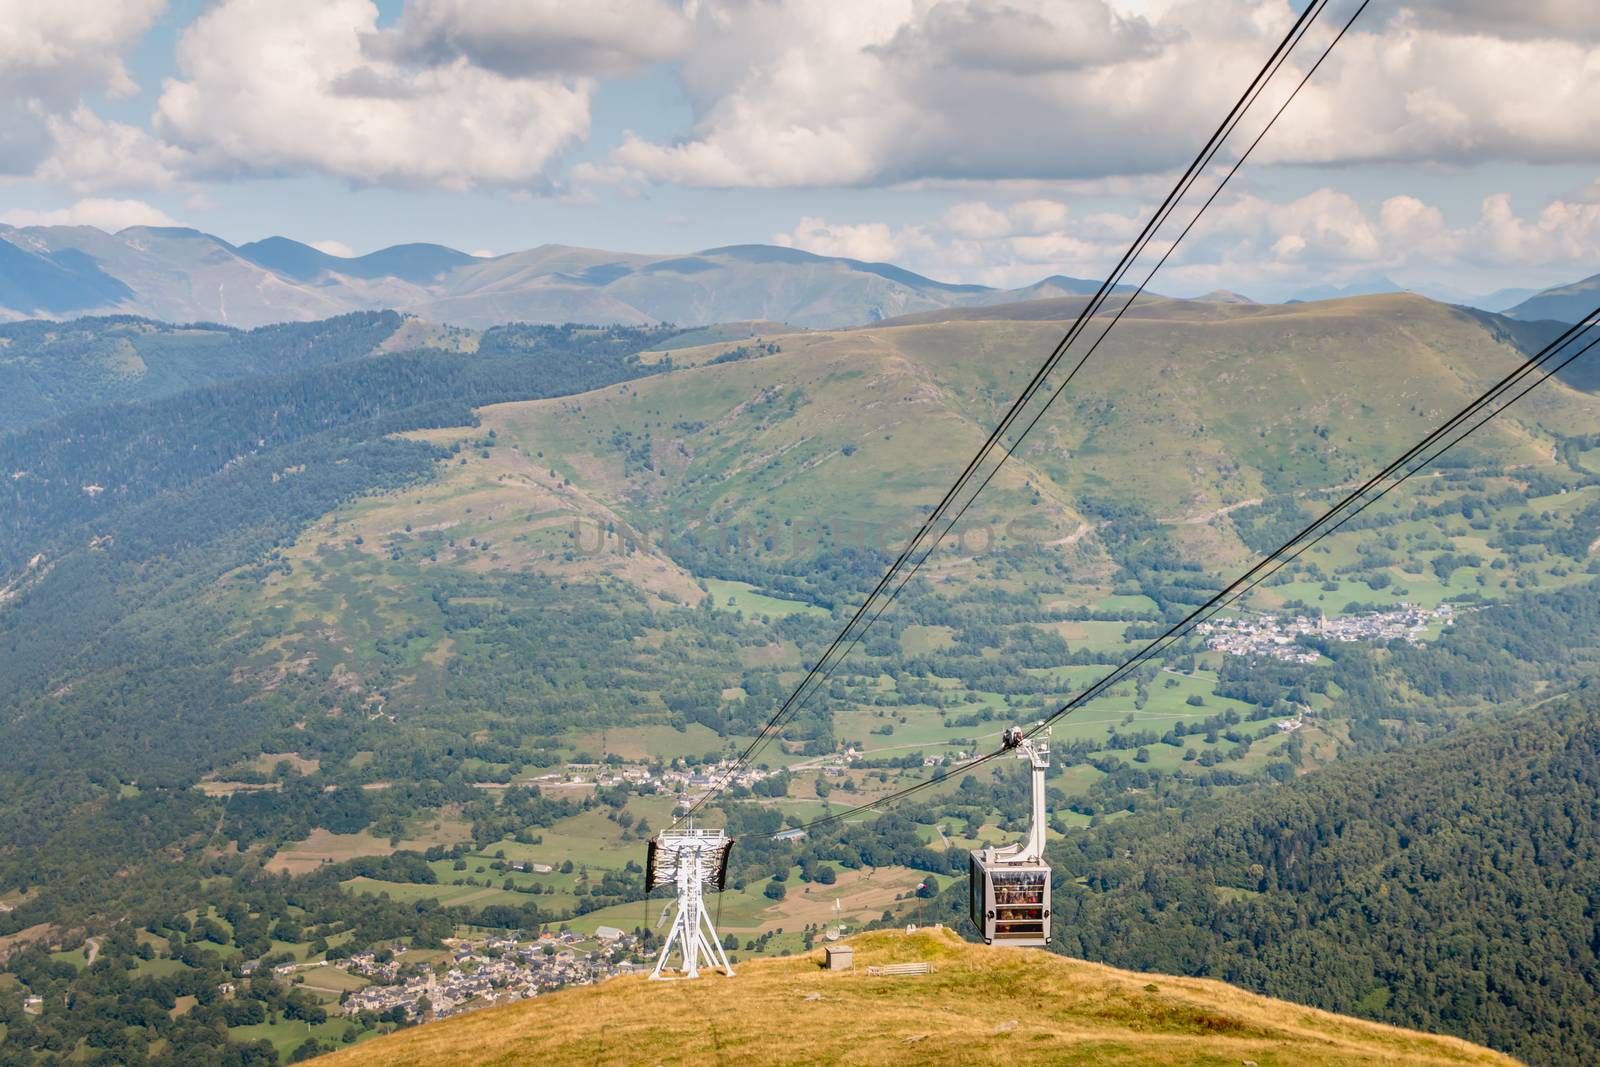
column 979, row 1005
column 1452, row 886
column 1563, row 303
column 1189, row 409
column 343, row 652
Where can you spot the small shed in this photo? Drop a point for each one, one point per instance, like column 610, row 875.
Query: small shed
column 840, row 958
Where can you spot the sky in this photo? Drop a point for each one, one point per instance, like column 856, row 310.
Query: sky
column 1445, row 145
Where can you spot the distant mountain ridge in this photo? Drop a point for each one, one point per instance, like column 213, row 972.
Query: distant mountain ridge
column 183, row 275
column 419, row 263
column 1562, row 303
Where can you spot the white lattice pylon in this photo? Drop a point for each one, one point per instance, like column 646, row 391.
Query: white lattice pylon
column 693, row 935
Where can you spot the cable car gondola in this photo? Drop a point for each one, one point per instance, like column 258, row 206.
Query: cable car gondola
column 1009, row 887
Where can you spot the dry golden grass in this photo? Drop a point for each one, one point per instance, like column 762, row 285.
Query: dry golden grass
column 980, row 1005
column 863, row 894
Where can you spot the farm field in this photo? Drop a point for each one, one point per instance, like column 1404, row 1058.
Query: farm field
column 741, row 596
column 323, row 846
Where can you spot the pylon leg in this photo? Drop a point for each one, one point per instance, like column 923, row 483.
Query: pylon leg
column 715, row 951
column 666, row 949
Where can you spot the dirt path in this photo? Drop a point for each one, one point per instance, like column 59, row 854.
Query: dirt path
column 1072, row 538
column 92, row 950
column 1212, row 516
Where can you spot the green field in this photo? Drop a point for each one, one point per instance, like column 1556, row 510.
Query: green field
column 447, row 895
column 741, row 596
column 288, row 1034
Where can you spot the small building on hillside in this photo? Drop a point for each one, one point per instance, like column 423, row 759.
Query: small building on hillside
column 840, row 957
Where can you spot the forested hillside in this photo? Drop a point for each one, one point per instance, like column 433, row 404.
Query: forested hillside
column 110, row 667
column 1454, row 886
column 70, row 472
column 50, row 369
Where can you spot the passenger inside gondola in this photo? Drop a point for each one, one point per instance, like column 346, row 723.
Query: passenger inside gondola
column 1019, row 903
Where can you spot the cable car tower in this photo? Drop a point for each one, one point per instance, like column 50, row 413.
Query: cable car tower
column 691, row 860
column 1009, row 887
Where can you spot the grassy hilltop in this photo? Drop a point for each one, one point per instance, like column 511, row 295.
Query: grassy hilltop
column 980, row 1005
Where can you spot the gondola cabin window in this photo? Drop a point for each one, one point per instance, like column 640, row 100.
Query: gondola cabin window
column 1019, row 903
column 1010, row 903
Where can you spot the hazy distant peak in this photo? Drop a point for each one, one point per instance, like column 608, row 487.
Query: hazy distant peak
column 1562, row 303
column 418, row 263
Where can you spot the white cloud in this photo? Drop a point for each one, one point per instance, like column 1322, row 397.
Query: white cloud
column 976, row 219
column 1419, row 93
column 57, row 50
column 1328, row 237
column 1548, row 19
column 1011, row 38
column 1038, row 216
column 1563, row 231
column 334, row 248
column 532, row 38
column 813, row 93
column 873, row 241
column 286, row 86
column 1245, row 242
column 800, row 93
column 971, row 242
column 108, row 215
column 91, row 154
column 51, row 54
column 463, row 93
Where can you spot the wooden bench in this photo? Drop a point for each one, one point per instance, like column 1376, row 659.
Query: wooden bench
column 897, row 970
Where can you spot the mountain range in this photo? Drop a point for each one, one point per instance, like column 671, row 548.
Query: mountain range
column 1374, row 282
column 184, row 275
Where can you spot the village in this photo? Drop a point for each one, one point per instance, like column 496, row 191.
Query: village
column 483, row 973
column 680, row 778
column 1279, row 638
